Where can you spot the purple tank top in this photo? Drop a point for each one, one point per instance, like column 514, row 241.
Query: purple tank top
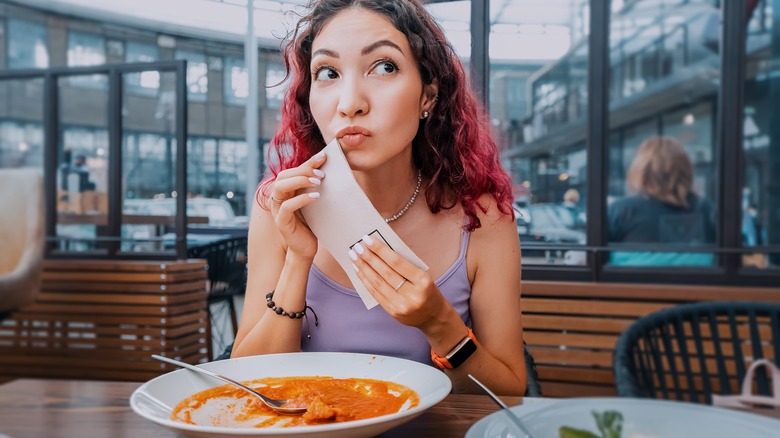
column 346, row 326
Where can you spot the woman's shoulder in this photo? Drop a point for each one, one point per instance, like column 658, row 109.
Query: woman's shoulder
column 495, row 245
column 632, row 204
column 698, row 202
column 494, row 223
column 630, row 200
column 488, row 211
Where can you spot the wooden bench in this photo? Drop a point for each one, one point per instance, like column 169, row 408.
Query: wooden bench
column 103, row 319
column 571, row 328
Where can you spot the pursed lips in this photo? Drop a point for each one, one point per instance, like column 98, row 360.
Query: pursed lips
column 352, row 135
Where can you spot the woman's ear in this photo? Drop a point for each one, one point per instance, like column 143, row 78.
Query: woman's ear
column 430, row 96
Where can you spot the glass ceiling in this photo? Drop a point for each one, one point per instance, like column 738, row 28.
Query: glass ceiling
column 521, row 29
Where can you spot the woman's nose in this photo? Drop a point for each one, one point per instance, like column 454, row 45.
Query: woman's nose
column 352, row 100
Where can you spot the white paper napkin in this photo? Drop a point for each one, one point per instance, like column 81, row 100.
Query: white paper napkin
column 343, row 215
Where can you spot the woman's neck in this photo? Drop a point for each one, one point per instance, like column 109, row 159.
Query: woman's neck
column 389, row 189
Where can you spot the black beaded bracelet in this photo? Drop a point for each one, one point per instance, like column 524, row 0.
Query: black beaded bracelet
column 269, row 300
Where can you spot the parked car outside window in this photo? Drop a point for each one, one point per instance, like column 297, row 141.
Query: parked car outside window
column 550, row 224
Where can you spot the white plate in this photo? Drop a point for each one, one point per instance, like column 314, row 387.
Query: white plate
column 156, row 398
column 641, row 418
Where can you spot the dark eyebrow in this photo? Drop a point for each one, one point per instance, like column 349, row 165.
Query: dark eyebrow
column 366, row 50
column 326, row 52
column 381, row 43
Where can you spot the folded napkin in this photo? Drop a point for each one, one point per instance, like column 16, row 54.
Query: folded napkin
column 343, row 215
column 747, row 398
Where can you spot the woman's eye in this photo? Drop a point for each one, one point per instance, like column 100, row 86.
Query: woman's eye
column 385, row 68
column 325, row 74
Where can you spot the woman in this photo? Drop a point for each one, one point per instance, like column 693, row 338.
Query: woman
column 664, row 210
column 381, row 78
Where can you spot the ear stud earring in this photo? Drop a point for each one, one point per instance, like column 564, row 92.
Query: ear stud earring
column 425, row 115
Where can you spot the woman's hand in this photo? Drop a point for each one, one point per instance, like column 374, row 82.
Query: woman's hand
column 286, row 201
column 406, row 292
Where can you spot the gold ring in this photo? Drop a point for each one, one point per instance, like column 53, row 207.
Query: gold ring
column 400, row 284
column 275, row 201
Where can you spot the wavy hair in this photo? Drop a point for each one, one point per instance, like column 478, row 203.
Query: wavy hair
column 453, row 148
column 662, row 170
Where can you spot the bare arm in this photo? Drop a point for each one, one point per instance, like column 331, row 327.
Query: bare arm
column 269, row 268
column 495, row 309
column 281, row 249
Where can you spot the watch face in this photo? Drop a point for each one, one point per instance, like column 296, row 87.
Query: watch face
column 462, row 352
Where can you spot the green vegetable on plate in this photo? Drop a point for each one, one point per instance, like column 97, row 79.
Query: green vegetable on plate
column 609, row 424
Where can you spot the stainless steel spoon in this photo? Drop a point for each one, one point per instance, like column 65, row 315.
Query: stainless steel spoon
column 516, row 421
column 275, row 405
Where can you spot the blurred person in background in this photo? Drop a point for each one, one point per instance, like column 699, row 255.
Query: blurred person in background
column 571, row 200
column 75, row 175
column 664, row 209
column 80, row 168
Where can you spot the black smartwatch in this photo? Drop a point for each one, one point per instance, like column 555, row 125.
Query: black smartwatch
column 459, row 353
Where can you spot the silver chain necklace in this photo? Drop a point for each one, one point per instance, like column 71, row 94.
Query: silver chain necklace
column 411, row 200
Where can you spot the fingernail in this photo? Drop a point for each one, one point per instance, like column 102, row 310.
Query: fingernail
column 355, row 268
column 315, row 181
column 359, row 248
column 319, row 173
column 320, row 155
column 314, row 195
column 352, row 255
column 368, row 240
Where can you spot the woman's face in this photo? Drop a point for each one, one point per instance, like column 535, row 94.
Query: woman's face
column 366, row 88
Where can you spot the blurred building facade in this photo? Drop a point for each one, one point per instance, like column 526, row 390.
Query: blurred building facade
column 217, row 82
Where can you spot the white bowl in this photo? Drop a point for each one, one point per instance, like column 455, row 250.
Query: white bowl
column 156, row 398
column 641, row 418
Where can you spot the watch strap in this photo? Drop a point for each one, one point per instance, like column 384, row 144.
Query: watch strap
column 455, row 357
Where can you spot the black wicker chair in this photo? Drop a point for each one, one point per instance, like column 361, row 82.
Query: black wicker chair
column 532, row 389
column 690, row 351
column 226, row 259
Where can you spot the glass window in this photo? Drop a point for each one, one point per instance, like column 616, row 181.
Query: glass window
column 149, row 176
column 217, row 174
column 538, row 102
column 455, row 18
column 144, row 163
column 202, row 166
column 761, row 137
column 82, row 185
column 149, row 167
column 84, row 50
column 662, row 172
column 693, row 125
column 623, row 146
column 197, row 74
column 21, row 145
column 233, row 155
column 88, row 149
column 236, row 80
column 275, row 85
column 147, row 82
column 27, row 45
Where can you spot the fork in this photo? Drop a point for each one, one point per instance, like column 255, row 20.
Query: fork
column 512, row 416
column 275, row 405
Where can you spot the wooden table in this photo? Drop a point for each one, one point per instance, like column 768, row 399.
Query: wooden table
column 38, row 408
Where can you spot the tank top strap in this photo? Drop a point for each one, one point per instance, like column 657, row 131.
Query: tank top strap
column 464, row 244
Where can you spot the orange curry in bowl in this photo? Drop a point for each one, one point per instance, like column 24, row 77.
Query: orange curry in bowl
column 327, row 399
